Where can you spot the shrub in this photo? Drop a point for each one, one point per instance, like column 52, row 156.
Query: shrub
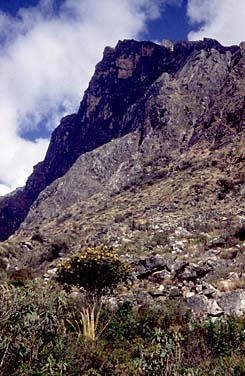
column 159, row 238
column 32, row 334
column 162, row 357
column 223, row 336
column 124, row 322
column 98, row 271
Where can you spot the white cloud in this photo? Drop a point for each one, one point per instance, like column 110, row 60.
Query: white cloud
column 220, row 19
column 46, row 61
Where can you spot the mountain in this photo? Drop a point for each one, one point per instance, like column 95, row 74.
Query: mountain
column 153, row 164
column 114, row 105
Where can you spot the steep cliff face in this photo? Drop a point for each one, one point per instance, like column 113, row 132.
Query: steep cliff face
column 173, row 98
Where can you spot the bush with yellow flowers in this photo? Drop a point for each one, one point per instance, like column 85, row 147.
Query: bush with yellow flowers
column 97, row 269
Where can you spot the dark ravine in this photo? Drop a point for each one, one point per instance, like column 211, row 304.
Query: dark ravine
column 120, row 99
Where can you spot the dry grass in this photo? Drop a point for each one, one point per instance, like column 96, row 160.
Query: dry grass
column 230, row 285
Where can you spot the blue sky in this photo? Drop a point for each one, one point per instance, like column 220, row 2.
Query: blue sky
column 12, row 6
column 171, row 24
column 49, row 48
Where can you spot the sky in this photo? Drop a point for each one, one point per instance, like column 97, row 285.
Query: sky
column 49, row 48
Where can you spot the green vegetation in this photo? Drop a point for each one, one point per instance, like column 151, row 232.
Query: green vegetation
column 41, row 333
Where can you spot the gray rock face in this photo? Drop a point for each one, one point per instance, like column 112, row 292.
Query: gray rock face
column 105, row 169
column 233, row 303
column 152, row 265
column 191, row 272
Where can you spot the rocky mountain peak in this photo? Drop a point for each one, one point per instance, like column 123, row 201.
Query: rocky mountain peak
column 182, row 95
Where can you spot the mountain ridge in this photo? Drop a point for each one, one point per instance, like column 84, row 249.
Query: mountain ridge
column 120, row 81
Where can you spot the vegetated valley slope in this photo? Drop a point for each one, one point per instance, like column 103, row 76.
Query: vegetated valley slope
column 153, row 164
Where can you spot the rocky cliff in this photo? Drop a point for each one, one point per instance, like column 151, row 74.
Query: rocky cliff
column 177, row 91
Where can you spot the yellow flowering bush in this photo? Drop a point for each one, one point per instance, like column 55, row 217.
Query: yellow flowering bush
column 97, row 269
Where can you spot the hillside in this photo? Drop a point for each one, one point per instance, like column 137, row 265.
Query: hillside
column 152, row 164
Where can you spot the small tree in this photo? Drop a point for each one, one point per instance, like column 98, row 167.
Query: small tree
column 98, row 271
